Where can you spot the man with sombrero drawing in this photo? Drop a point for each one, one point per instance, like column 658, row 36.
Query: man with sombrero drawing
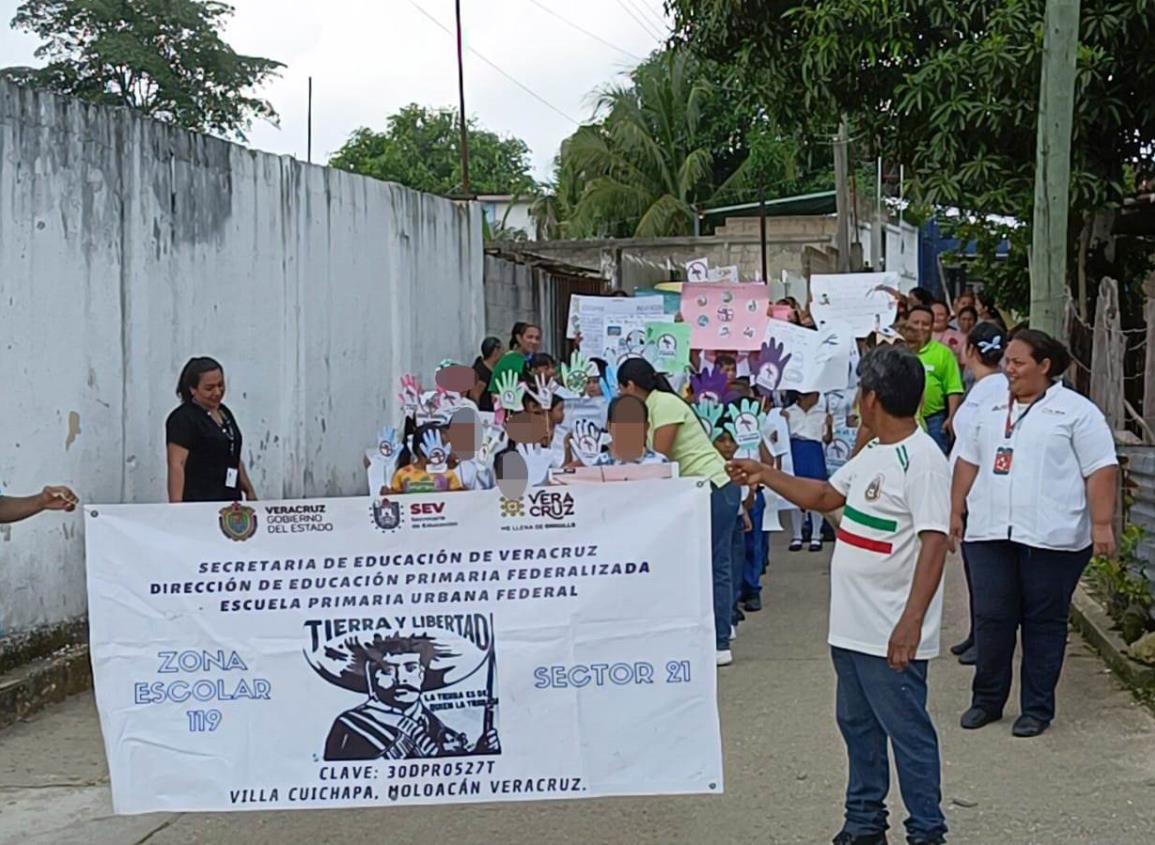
column 394, row 723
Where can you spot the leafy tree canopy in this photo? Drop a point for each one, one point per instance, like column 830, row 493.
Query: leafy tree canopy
column 679, row 135
column 947, row 87
column 164, row 58
column 420, row 148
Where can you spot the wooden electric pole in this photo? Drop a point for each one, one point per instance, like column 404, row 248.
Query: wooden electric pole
column 465, row 187
column 842, row 196
column 1053, row 168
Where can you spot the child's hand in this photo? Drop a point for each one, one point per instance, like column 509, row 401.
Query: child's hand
column 747, row 523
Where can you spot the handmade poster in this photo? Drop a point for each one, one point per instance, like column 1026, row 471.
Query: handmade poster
column 796, row 358
column 625, row 335
column 668, row 346
column 729, row 273
column 722, row 315
column 855, row 299
column 698, row 270
column 605, row 322
column 422, row 649
column 840, row 404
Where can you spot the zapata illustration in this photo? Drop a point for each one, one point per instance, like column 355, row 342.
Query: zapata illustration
column 395, row 722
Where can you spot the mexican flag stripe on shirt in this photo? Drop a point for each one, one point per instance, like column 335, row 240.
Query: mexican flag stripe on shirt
column 879, row 546
column 876, row 523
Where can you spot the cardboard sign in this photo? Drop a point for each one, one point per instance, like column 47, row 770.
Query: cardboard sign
column 855, row 299
column 723, row 315
column 668, row 346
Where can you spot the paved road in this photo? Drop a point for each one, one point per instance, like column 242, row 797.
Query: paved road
column 1091, row 779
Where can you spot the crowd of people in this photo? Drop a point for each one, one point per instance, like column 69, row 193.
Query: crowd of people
column 962, row 433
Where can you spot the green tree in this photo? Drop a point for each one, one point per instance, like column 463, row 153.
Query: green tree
column 420, row 148
column 164, row 58
column 682, row 133
column 950, row 89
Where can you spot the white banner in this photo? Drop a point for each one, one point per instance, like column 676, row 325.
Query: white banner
column 856, row 299
column 422, row 649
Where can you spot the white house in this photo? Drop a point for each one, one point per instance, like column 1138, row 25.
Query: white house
column 508, row 211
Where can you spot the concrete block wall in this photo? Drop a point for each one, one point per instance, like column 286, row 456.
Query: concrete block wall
column 127, row 246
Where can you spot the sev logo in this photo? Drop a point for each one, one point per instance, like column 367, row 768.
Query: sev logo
column 238, row 522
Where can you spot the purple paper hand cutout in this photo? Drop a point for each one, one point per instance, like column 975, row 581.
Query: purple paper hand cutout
column 772, row 365
column 712, row 385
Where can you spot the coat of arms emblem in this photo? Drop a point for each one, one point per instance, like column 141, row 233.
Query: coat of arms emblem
column 238, row 522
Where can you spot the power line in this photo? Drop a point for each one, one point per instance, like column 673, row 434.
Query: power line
column 638, row 21
column 494, row 65
column 647, row 11
column 584, row 31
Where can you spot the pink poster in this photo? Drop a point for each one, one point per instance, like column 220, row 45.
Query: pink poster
column 725, row 315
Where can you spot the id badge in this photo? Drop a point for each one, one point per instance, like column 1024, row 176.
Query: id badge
column 232, row 477
column 1004, row 458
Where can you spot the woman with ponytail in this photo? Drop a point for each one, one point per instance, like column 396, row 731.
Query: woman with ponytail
column 983, row 356
column 676, row 432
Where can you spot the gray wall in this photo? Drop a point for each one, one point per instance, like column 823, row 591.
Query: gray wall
column 126, row 246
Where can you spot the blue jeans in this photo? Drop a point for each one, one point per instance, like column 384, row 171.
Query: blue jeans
column 755, row 551
column 874, row 704
column 724, row 502
column 934, row 424
column 1017, row 586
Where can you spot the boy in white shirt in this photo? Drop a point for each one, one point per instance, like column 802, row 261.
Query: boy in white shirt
column 886, row 597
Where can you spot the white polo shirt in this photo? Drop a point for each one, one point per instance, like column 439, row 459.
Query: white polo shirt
column 1037, row 493
column 893, row 493
column 985, row 392
column 807, row 425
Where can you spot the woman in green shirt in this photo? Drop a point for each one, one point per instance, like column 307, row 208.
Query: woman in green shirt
column 676, row 432
column 524, row 342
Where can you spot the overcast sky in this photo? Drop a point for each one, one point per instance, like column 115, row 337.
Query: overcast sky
column 370, row 57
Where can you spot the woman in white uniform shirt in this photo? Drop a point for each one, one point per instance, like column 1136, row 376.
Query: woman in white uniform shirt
column 983, row 355
column 1036, row 478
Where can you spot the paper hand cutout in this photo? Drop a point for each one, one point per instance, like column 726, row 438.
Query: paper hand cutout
column 388, row 443
column 410, row 395
column 772, row 366
column 493, row 441
column 712, row 385
column 510, row 392
column 609, row 382
column 436, row 455
column 577, row 372
column 537, row 462
column 745, row 426
column 710, row 413
column 544, row 390
column 586, row 441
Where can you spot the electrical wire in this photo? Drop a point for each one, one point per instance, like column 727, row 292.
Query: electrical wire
column 647, row 11
column 585, row 31
column 646, row 29
column 497, row 68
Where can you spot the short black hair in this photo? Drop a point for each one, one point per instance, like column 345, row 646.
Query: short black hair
column 542, row 359
column 489, row 346
column 915, row 308
column 924, row 296
column 1045, row 348
column 969, row 309
column 725, row 360
column 190, row 376
column 896, row 376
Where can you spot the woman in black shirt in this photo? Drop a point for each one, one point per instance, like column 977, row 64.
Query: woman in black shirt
column 491, row 352
column 204, row 440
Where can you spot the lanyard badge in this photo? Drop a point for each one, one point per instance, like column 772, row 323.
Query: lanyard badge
column 1004, row 458
column 1005, row 455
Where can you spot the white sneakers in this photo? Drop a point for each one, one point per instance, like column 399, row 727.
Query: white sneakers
column 724, row 657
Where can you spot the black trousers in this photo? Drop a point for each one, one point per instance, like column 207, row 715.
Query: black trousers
column 1019, row 587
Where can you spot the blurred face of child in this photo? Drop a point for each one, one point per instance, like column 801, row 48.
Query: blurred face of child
column 593, row 387
column 557, row 413
column 546, row 370
column 628, row 432
column 730, row 370
column 726, row 446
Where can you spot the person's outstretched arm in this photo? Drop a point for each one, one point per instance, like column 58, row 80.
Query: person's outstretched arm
column 16, row 508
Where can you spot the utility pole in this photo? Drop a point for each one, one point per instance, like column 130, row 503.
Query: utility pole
column 762, row 230
column 465, row 186
column 1053, row 168
column 842, row 194
column 309, row 129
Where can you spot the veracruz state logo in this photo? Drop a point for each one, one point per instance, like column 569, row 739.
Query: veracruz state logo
column 386, row 514
column 238, row 522
column 541, row 504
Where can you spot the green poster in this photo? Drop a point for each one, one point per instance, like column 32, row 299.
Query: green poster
column 668, row 346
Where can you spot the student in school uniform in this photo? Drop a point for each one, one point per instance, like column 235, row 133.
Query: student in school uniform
column 885, row 598
column 810, row 431
column 1036, row 480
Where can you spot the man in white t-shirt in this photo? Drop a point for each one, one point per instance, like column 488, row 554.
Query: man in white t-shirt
column 885, row 597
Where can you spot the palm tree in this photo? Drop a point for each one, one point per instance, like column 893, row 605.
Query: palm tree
column 646, row 164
